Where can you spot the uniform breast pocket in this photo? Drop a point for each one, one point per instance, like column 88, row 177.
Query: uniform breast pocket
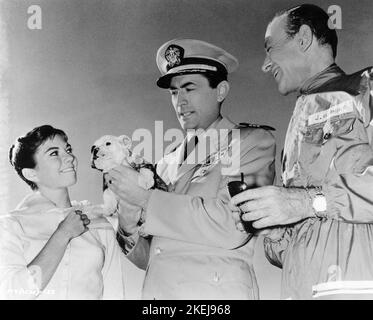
column 317, row 149
column 321, row 133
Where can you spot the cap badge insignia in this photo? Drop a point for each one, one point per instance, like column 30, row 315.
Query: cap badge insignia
column 173, row 55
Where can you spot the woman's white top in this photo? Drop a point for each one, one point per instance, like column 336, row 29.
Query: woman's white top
column 90, row 268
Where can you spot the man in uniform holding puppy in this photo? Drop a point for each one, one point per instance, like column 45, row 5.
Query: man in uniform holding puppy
column 195, row 250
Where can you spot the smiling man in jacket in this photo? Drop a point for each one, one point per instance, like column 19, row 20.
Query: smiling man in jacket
column 326, row 203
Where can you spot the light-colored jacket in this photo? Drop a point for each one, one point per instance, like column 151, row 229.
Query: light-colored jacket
column 329, row 145
column 90, row 267
column 196, row 250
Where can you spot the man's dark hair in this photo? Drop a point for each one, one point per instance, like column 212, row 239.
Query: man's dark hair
column 214, row 78
column 21, row 154
column 316, row 18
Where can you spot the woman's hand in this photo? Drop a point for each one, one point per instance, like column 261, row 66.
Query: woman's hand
column 74, row 224
column 50, row 256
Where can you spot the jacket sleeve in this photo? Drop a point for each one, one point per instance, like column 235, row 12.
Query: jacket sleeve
column 208, row 220
column 112, row 271
column 349, row 184
column 276, row 243
column 349, row 188
column 135, row 247
column 17, row 282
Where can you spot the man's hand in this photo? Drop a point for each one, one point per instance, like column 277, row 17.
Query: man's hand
column 129, row 216
column 236, row 214
column 269, row 206
column 123, row 181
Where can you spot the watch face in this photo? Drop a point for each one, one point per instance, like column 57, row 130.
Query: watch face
column 319, row 203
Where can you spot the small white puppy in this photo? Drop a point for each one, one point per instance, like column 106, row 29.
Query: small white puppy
column 108, row 152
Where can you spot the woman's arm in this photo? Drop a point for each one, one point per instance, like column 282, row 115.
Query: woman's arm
column 46, row 262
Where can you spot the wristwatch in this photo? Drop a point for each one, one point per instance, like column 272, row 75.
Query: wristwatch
column 318, row 201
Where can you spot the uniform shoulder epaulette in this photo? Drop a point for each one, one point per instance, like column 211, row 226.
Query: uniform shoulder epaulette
column 242, row 125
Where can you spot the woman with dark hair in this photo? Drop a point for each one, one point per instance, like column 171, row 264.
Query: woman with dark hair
column 51, row 247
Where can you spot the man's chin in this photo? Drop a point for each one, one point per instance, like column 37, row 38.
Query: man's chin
column 285, row 91
column 187, row 125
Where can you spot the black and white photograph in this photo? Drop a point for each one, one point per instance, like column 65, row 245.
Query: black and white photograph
column 188, row 150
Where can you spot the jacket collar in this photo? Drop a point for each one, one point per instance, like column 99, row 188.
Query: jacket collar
column 334, row 78
column 38, row 216
column 316, row 83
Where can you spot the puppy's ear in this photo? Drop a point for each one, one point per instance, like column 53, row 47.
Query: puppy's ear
column 126, row 140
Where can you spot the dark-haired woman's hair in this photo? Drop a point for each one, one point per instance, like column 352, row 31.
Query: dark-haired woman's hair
column 21, row 154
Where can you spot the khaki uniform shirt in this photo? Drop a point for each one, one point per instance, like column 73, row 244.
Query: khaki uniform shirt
column 196, row 250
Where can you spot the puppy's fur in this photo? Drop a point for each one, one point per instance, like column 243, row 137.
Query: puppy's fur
column 109, row 152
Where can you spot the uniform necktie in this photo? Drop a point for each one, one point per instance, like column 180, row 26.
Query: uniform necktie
column 189, row 147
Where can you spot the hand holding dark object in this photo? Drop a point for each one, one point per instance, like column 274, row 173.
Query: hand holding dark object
column 236, row 187
column 270, row 206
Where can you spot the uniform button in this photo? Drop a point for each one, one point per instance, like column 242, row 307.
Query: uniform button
column 216, row 277
column 158, row 250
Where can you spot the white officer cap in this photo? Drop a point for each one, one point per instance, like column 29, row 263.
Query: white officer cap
column 186, row 56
